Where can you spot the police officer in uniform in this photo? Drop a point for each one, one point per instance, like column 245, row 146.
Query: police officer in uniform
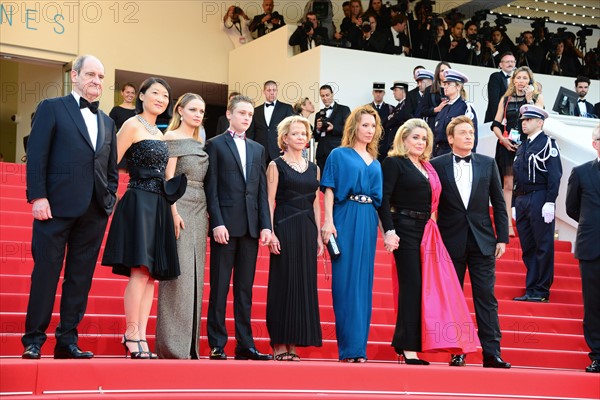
column 383, row 109
column 537, row 171
column 454, row 105
column 399, row 115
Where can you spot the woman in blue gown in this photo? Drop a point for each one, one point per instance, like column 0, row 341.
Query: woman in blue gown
column 352, row 184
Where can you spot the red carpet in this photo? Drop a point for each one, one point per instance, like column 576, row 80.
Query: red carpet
column 535, row 337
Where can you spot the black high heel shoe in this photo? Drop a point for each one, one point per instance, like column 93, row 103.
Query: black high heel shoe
column 409, row 361
column 151, row 355
column 141, row 354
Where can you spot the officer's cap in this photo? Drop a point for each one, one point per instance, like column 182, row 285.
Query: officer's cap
column 531, row 111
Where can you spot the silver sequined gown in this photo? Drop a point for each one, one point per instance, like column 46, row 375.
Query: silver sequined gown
column 180, row 301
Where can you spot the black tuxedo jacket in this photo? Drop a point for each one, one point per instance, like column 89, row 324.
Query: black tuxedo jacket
column 257, row 24
column 497, row 86
column 300, row 38
column 460, row 53
column 338, row 117
column 62, row 164
column 376, row 43
column 454, row 220
column 597, row 110
column 589, row 109
column 583, row 205
column 265, row 134
column 390, row 47
column 240, row 205
column 413, row 98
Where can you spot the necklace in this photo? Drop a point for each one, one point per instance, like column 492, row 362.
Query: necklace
column 419, row 167
column 152, row 129
column 298, row 166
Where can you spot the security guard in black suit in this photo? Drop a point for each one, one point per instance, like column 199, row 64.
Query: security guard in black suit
column 383, row 109
column 537, row 171
column 399, row 115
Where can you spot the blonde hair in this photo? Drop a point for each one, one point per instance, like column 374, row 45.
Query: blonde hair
column 183, row 101
column 284, row 128
column 351, row 129
column 398, row 148
column 512, row 89
column 461, row 119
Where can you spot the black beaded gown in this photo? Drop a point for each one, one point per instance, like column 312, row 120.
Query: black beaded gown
column 292, row 297
column 142, row 232
column 504, row 157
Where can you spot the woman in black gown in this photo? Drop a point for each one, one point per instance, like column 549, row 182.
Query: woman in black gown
column 141, row 241
column 292, row 298
column 522, row 90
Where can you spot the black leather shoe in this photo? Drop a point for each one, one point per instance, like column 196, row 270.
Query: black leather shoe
column 593, row 367
column 458, row 360
column 251, row 354
column 32, row 352
column 217, row 353
column 538, row 299
column 494, row 362
column 72, row 351
column 525, row 297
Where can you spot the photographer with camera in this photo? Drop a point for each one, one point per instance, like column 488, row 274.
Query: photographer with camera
column 236, row 25
column 350, row 27
column 499, row 45
column 453, row 47
column 529, row 54
column 474, row 39
column 309, row 35
column 329, row 125
column 267, row 22
column 372, row 39
column 563, row 60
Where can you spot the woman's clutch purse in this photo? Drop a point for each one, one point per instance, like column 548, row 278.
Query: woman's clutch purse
column 333, row 248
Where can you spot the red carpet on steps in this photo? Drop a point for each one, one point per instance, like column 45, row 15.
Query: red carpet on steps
column 544, row 342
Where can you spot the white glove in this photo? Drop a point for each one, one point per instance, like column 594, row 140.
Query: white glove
column 548, row 212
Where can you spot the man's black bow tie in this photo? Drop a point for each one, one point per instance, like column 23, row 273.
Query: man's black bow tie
column 93, row 106
column 269, row 104
column 329, row 108
column 581, row 101
column 465, row 159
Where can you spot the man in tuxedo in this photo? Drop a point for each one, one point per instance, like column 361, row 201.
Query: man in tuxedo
column 268, row 21
column 398, row 116
column 530, row 54
column 583, row 205
column 266, row 118
column 470, row 182
column 583, row 108
column 329, row 125
column 72, row 180
column 498, row 84
column 499, row 46
column 396, row 40
column 372, row 39
column 382, row 108
column 537, row 170
column 236, row 195
column 454, row 45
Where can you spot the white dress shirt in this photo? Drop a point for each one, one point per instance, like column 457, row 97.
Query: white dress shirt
column 269, row 111
column 463, row 175
column 241, row 147
column 582, row 107
column 90, row 119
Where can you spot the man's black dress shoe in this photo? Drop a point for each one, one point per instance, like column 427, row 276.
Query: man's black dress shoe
column 593, row 367
column 72, row 351
column 251, row 354
column 525, row 297
column 538, row 299
column 217, row 353
column 32, row 352
column 494, row 362
column 458, row 360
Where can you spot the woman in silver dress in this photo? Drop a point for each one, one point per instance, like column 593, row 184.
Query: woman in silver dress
column 180, row 301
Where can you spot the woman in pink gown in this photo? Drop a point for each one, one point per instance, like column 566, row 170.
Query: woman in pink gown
column 432, row 311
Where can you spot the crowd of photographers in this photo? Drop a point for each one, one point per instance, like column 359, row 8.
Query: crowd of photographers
column 394, row 29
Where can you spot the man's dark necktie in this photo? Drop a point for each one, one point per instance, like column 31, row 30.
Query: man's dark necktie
column 93, row 106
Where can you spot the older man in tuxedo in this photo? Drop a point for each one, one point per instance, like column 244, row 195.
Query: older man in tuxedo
column 583, row 205
column 470, row 182
column 498, row 84
column 72, row 180
column 236, row 195
column 266, row 118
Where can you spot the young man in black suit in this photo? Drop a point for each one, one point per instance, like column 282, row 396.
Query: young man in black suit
column 498, row 84
column 329, row 125
column 583, row 108
column 470, row 182
column 583, row 205
column 266, row 118
column 236, row 195
column 72, row 180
